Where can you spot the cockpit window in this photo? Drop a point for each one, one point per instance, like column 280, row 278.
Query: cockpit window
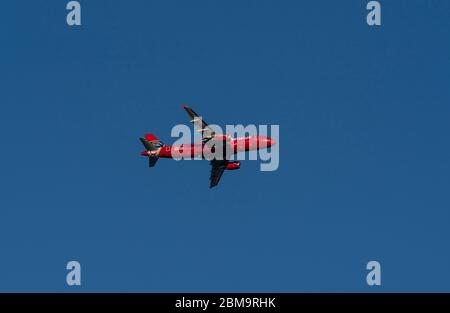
column 158, row 144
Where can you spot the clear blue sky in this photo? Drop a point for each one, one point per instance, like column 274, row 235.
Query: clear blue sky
column 365, row 158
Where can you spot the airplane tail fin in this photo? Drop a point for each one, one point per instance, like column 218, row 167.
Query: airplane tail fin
column 152, row 146
column 149, row 146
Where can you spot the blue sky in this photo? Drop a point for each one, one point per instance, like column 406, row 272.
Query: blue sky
column 364, row 156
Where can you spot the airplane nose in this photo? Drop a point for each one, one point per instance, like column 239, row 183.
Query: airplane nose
column 265, row 141
column 271, row 141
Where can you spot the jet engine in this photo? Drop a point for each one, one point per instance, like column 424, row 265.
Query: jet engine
column 233, row 166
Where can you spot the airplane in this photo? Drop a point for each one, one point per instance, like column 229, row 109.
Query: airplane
column 155, row 148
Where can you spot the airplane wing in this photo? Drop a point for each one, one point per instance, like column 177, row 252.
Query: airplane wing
column 217, row 168
column 207, row 132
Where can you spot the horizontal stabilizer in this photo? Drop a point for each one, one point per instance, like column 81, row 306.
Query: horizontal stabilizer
column 152, row 161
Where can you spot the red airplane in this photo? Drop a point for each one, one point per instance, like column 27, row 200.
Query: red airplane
column 155, row 148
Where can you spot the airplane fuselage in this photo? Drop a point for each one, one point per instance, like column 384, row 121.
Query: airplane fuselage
column 197, row 150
